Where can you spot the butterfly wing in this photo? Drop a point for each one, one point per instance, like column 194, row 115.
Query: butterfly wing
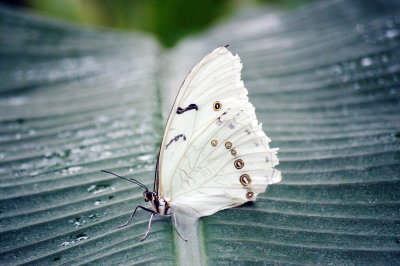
column 214, row 154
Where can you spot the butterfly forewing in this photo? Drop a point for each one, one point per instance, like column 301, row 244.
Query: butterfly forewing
column 214, row 154
column 215, row 75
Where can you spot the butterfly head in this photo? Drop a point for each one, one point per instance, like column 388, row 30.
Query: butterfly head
column 149, row 196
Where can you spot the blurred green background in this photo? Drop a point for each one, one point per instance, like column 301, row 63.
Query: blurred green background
column 168, row 20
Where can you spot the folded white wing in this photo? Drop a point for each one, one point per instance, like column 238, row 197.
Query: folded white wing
column 214, row 154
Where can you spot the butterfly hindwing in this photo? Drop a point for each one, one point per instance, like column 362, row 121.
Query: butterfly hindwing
column 233, row 164
column 214, row 154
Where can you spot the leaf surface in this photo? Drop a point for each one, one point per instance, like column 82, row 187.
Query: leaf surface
column 325, row 83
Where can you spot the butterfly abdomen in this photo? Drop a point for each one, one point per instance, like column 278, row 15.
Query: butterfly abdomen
column 163, row 207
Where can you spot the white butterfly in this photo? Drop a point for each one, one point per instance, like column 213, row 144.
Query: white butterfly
column 214, row 154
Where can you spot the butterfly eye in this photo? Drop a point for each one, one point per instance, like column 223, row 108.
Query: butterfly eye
column 233, row 152
column 147, row 196
column 239, row 164
column 245, row 180
column 217, row 106
column 228, row 145
column 214, row 142
column 249, row 195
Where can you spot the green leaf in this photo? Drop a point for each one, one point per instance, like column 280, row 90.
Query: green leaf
column 325, row 83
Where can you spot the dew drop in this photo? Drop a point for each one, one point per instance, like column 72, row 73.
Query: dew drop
column 100, row 188
column 78, row 238
column 34, row 173
column 365, row 62
column 390, row 34
column 32, row 132
column 106, row 154
column 66, row 243
column 146, row 157
column 102, row 119
column 71, row 170
column 17, row 100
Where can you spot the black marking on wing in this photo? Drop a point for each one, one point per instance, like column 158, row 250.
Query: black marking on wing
column 190, row 107
column 176, row 138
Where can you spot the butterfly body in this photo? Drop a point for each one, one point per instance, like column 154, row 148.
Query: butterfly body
column 214, row 154
column 163, row 207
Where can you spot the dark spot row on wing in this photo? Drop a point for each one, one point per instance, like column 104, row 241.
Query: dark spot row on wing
column 176, row 138
column 190, row 107
column 244, row 179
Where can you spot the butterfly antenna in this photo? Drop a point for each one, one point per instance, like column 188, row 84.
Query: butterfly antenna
column 129, row 180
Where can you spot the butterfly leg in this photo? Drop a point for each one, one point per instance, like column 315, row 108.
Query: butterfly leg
column 176, row 226
column 133, row 214
column 149, row 227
